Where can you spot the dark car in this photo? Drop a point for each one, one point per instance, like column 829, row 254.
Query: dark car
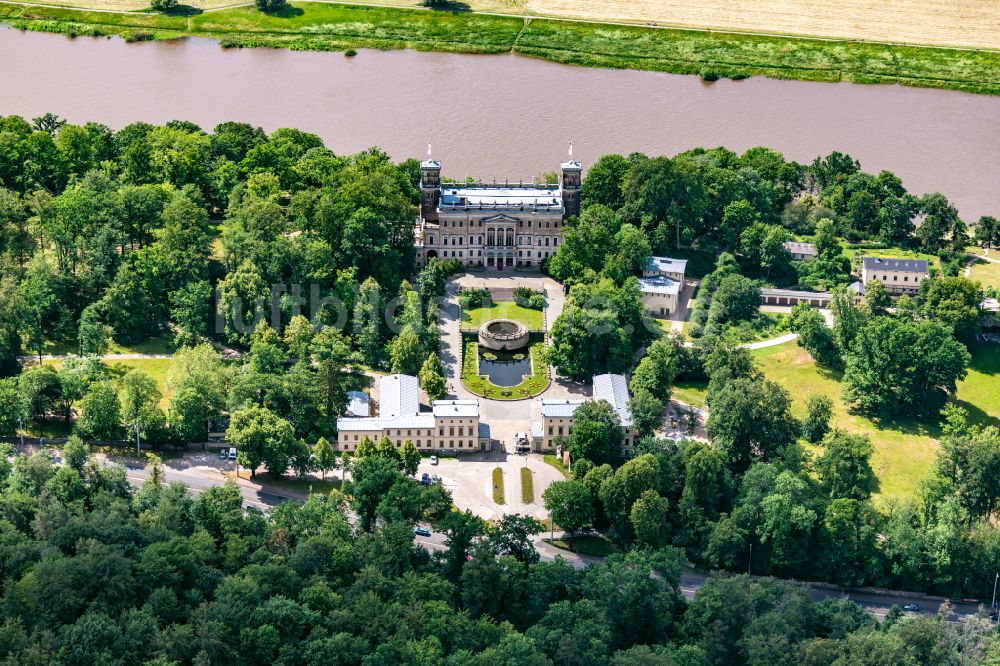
column 425, row 479
column 421, row 531
column 222, row 454
column 913, row 608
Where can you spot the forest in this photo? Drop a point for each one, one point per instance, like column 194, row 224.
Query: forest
column 274, row 247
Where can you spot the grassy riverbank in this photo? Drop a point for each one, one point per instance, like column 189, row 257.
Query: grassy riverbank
column 313, row 26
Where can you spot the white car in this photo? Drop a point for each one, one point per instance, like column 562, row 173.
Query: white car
column 434, row 460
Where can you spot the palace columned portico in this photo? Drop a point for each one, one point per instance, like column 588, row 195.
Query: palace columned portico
column 494, row 226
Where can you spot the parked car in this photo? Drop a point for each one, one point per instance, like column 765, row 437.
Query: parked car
column 222, row 454
column 913, row 608
column 421, row 531
column 232, row 453
column 425, row 478
column 434, row 478
column 434, row 460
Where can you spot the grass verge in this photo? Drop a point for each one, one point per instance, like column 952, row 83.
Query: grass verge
column 498, row 494
column 527, row 485
column 473, row 318
column 333, row 27
column 555, row 462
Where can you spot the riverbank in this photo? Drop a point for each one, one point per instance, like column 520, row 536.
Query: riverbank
column 333, row 27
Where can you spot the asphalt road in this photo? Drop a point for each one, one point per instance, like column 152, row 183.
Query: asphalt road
column 876, row 602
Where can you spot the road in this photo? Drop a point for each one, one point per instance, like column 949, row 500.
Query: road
column 877, row 602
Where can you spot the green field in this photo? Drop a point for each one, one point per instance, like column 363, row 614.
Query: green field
column 333, row 27
column 987, row 273
column 473, row 318
column 905, row 449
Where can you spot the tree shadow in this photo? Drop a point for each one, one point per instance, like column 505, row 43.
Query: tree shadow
column 447, row 5
column 286, row 11
column 183, row 10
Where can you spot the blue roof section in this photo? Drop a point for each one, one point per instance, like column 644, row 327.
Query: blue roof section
column 659, row 284
column 666, row 265
column 893, row 264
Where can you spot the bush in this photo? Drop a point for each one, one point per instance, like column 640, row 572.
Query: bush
column 475, row 298
column 709, row 76
column 529, row 298
column 350, row 53
column 163, row 5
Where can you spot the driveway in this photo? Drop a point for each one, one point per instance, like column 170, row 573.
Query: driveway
column 470, row 481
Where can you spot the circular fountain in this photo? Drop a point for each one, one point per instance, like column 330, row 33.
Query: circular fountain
column 503, row 335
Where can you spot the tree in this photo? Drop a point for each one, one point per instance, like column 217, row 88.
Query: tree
column 844, row 468
column 970, row 464
column 902, row 367
column 570, row 504
column 94, row 336
column 649, row 516
column 736, row 299
column 100, row 413
column 367, row 318
column 190, row 307
column 987, row 232
column 647, row 412
column 261, row 437
column 620, row 491
column 270, row 6
column 13, row 407
column 877, row 300
column 751, row 419
column 330, row 353
column 325, row 457
column 815, row 336
column 298, row 336
column 163, row 5
column 76, row 453
column 409, row 458
column 300, row 458
column 407, row 352
column 140, row 400
column 432, row 378
column 512, row 537
column 597, row 433
column 819, row 409
column 954, row 301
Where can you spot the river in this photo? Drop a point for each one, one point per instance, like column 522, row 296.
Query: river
column 506, row 116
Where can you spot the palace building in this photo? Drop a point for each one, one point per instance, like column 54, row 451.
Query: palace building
column 493, row 225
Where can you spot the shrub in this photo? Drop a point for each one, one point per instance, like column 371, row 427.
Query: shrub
column 269, row 6
column 475, row 298
column 709, row 76
column 163, row 5
column 529, row 298
column 350, row 53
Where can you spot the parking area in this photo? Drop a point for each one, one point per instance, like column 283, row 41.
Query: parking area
column 470, row 481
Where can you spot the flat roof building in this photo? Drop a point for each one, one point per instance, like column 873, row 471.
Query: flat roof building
column 671, row 268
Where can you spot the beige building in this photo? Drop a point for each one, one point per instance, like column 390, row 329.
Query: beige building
column 451, row 425
column 900, row 276
column 558, row 415
column 660, row 295
column 491, row 225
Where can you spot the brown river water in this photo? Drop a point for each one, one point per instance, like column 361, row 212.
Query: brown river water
column 507, row 116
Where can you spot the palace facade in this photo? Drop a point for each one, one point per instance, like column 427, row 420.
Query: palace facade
column 491, row 225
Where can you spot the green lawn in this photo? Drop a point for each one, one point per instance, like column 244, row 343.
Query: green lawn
column 987, row 273
column 905, row 449
column 527, row 485
column 690, row 392
column 555, row 462
column 473, row 318
column 154, row 345
column 157, row 368
column 892, row 252
column 498, row 494
column 333, row 27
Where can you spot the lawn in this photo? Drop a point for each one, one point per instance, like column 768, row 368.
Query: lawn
column 473, row 318
column 689, row 392
column 987, row 273
column 498, row 494
column 333, row 27
column 157, row 368
column 892, row 252
column 527, row 485
column 555, row 462
column 905, row 449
